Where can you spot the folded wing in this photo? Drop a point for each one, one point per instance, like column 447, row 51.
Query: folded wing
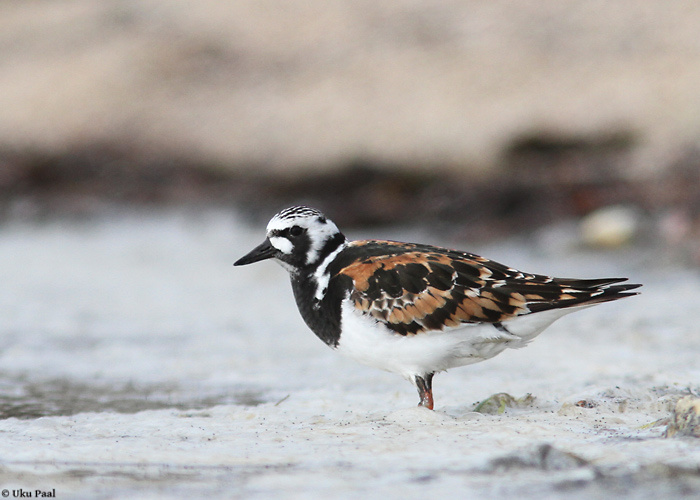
column 418, row 288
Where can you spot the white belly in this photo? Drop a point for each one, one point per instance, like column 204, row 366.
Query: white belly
column 369, row 342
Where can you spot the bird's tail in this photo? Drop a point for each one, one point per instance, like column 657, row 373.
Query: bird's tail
column 583, row 292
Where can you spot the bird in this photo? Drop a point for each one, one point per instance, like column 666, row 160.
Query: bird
column 416, row 309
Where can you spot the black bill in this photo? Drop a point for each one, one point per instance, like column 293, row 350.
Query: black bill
column 263, row 251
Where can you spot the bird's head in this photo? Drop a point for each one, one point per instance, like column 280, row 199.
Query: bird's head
column 299, row 238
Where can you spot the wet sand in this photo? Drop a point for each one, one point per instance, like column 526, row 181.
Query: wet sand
column 137, row 362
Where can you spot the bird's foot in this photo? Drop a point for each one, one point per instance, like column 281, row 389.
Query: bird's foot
column 425, row 390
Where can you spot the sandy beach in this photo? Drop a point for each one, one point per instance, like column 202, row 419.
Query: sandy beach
column 137, row 362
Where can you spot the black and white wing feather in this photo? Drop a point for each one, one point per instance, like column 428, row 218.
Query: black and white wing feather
column 418, row 288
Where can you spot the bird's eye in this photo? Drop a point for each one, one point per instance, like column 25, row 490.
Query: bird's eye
column 295, row 230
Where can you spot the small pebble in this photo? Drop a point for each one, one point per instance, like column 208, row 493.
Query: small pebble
column 685, row 420
column 610, row 227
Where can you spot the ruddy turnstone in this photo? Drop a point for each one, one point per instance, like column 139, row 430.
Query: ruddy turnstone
column 413, row 309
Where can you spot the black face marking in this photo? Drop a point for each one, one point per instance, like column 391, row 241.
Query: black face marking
column 289, row 232
column 306, row 230
column 331, row 245
column 300, row 247
column 320, row 309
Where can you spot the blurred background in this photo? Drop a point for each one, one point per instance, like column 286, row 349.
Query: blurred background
column 144, row 145
column 483, row 118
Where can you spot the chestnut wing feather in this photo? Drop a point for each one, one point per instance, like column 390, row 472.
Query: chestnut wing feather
column 418, row 291
column 416, row 288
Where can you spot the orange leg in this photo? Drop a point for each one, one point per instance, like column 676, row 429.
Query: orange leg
column 425, row 390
